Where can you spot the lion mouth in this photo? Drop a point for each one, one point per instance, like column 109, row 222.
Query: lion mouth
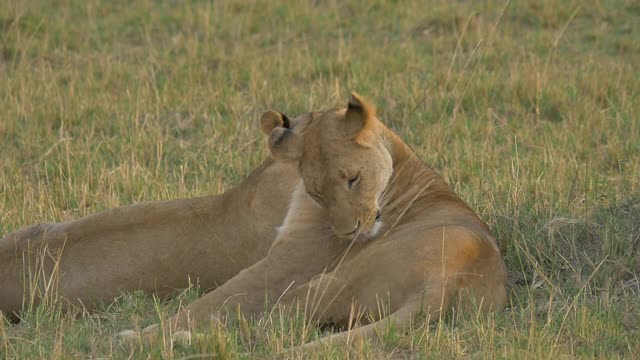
column 362, row 233
column 352, row 233
column 368, row 233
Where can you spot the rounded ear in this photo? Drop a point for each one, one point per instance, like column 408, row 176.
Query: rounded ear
column 273, row 119
column 360, row 120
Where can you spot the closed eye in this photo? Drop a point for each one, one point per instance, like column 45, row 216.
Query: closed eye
column 315, row 196
column 353, row 181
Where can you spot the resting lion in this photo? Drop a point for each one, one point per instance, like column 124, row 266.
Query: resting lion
column 154, row 246
column 369, row 221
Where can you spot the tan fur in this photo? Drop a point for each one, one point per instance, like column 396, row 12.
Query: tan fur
column 154, row 246
column 431, row 251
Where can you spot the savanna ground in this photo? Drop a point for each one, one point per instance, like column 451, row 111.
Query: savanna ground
column 529, row 109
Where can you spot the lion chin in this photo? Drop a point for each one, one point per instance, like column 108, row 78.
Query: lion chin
column 369, row 234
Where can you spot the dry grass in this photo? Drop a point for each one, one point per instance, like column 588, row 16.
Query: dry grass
column 532, row 116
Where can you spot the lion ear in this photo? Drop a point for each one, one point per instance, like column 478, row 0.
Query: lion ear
column 273, row 119
column 360, row 120
column 285, row 144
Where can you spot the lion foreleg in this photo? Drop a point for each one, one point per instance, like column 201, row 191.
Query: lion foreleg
column 245, row 293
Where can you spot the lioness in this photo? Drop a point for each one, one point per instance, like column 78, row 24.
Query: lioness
column 369, row 221
column 154, row 246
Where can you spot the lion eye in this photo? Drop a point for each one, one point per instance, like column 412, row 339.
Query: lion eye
column 353, row 181
column 316, row 196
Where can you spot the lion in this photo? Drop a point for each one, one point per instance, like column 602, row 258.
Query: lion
column 368, row 220
column 156, row 246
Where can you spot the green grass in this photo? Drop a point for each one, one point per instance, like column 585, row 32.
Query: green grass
column 531, row 114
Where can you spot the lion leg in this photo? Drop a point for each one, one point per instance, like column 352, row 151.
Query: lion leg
column 301, row 251
column 245, row 292
column 332, row 299
column 400, row 320
column 431, row 286
column 431, row 305
column 284, row 267
column 323, row 299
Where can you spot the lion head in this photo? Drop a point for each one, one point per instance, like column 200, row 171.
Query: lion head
column 343, row 159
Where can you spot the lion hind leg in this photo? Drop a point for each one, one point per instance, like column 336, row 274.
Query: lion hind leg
column 400, row 320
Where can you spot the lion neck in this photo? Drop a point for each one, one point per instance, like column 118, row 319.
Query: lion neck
column 413, row 184
column 404, row 160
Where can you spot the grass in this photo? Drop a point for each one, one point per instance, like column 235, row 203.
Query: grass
column 529, row 109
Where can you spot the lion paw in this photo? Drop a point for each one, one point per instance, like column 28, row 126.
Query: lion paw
column 127, row 336
column 151, row 330
column 147, row 335
column 182, row 337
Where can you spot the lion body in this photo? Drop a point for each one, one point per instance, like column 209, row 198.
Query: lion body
column 155, row 247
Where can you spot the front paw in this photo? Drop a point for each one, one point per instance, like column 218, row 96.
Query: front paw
column 181, row 337
column 150, row 334
column 147, row 336
column 128, row 336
